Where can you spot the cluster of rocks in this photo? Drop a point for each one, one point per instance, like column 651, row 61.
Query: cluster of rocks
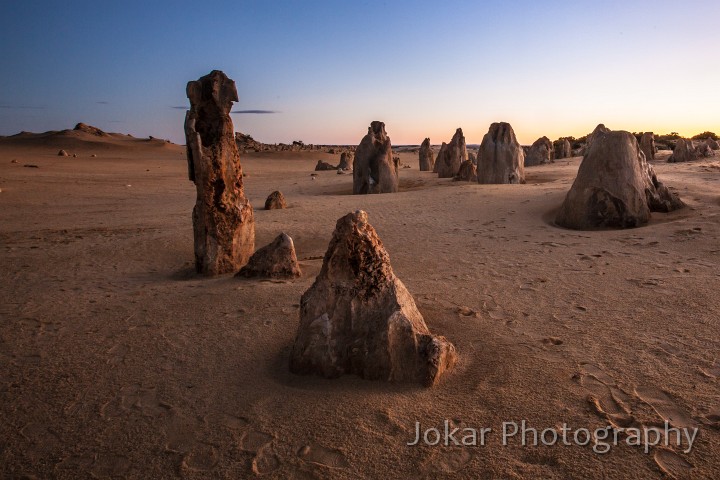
column 615, row 186
column 686, row 150
column 246, row 143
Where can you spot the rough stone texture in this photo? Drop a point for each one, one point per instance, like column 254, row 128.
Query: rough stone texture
column 647, row 145
column 467, row 172
column 452, row 156
column 374, row 170
column 223, row 217
column 358, row 317
column 703, row 150
column 713, row 144
column 563, row 148
column 441, row 153
column 324, row 166
column 427, row 158
column 540, row 152
column 684, row 151
column 62, row 153
column 501, row 158
column 276, row 260
column 82, row 127
column 473, row 158
column 615, row 187
column 346, row 161
column 275, row 201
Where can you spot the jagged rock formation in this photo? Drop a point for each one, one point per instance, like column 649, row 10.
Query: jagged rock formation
column 563, row 148
column 346, row 161
column 275, row 260
column 82, row 127
column 647, row 145
column 451, row 156
column 321, row 166
column 615, row 187
column 473, row 158
column 684, row 151
column 223, row 222
column 275, row 201
column 374, row 170
column 467, row 172
column 712, row 143
column 358, row 317
column 540, row 152
column 427, row 158
column 703, row 150
column 500, row 158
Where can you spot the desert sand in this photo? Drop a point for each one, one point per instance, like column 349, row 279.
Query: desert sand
column 118, row 361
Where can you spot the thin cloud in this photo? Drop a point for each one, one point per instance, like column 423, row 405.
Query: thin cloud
column 260, row 112
column 22, row 107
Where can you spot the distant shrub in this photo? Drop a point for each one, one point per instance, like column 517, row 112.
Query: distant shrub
column 704, row 135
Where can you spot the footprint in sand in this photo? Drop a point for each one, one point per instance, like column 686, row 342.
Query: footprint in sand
column 253, row 441
column 265, row 461
column 446, row 460
column 672, row 464
column 605, row 398
column 665, row 406
column 326, row 457
column 136, row 398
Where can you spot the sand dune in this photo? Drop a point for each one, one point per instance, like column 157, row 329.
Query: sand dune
column 118, row 361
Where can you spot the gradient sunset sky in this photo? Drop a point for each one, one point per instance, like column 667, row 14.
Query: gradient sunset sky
column 323, row 70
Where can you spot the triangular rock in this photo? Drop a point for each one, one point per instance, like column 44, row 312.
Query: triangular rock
column 615, row 186
column 275, row 201
column 541, row 151
column 452, row 156
column 276, row 260
column 358, row 317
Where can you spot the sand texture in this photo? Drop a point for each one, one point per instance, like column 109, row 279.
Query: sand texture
column 118, row 361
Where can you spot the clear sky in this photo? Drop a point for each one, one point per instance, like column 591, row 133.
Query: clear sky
column 326, row 69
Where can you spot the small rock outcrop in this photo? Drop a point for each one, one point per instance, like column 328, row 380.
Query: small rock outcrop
column 684, row 151
column 540, row 152
column 467, row 172
column 62, row 153
column 82, row 127
column 452, row 156
column 712, row 143
column 703, row 149
column 374, row 170
column 275, row 201
column 615, row 187
column 427, row 158
column 501, row 158
column 346, row 161
column 223, row 221
column 276, row 260
column 321, row 166
column 562, row 148
column 647, row 145
column 358, row 317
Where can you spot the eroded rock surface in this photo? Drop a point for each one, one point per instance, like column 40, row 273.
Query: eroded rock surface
column 275, row 201
column 374, row 170
column 500, row 158
column 540, row 152
column 275, row 260
column 615, row 187
column 427, row 158
column 451, row 156
column 358, row 317
column 223, row 221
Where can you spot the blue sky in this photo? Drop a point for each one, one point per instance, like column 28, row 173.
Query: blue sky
column 328, row 68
